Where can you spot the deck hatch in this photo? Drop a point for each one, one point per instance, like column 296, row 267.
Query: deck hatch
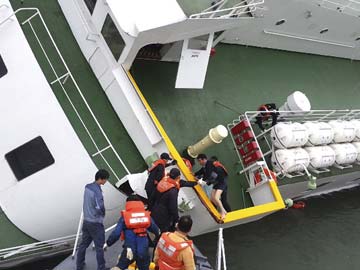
column 29, row 158
column 3, row 69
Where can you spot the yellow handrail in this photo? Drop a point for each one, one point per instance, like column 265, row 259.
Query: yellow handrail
column 175, row 154
column 231, row 216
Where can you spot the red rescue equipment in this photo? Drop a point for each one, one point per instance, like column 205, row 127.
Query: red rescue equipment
column 268, row 173
column 169, row 251
column 136, row 217
column 156, row 163
column 299, row 205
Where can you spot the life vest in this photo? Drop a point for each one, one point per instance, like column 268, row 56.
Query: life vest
column 136, row 217
column 161, row 162
column 265, row 112
column 167, row 183
column 219, row 165
column 169, row 251
column 187, row 163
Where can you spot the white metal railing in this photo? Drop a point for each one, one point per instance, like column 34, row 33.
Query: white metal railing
column 61, row 80
column 349, row 7
column 57, row 244
column 217, row 10
column 266, row 148
column 221, row 258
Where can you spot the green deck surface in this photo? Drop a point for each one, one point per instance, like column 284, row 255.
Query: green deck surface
column 10, row 235
column 242, row 78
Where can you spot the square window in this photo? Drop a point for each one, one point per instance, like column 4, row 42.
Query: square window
column 112, row 37
column 29, row 158
column 3, row 69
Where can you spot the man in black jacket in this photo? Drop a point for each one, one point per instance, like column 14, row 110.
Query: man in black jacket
column 213, row 172
column 165, row 200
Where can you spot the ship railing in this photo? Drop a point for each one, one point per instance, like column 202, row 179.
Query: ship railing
column 65, row 80
column 57, row 245
column 217, row 10
column 350, row 7
column 263, row 140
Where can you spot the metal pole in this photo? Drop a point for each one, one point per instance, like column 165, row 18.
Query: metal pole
column 223, row 252
column 218, row 258
column 77, row 234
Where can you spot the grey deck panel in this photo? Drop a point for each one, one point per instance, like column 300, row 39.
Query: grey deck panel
column 111, row 257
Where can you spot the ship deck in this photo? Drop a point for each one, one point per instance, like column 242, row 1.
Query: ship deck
column 239, row 79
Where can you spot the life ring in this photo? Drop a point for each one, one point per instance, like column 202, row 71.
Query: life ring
column 268, row 173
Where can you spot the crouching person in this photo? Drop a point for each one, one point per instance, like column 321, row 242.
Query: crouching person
column 132, row 227
column 175, row 251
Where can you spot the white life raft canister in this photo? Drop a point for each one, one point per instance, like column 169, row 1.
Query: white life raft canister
column 320, row 133
column 344, row 131
column 287, row 135
column 357, row 146
column 290, row 160
column 345, row 153
column 356, row 123
column 321, row 156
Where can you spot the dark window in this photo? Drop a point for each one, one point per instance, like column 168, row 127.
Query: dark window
column 280, row 22
column 90, row 5
column 112, row 37
column 29, row 158
column 357, row 39
column 3, row 69
column 324, row 31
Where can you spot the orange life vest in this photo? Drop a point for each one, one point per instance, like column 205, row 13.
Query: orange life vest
column 155, row 164
column 136, row 217
column 218, row 164
column 187, row 163
column 169, row 251
column 167, row 183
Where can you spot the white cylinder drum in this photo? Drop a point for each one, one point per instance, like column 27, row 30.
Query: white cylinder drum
column 321, row 156
column 344, row 131
column 297, row 101
column 320, row 133
column 287, row 135
column 357, row 146
column 356, row 123
column 345, row 153
column 290, row 160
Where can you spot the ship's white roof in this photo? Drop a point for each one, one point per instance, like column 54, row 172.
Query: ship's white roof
column 135, row 16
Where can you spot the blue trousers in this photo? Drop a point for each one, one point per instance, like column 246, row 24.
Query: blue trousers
column 91, row 232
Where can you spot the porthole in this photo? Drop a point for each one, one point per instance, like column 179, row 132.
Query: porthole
column 280, row 22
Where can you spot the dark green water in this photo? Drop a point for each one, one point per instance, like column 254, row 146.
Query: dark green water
column 324, row 235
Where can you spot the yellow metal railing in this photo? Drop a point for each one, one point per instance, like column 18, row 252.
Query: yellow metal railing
column 231, row 216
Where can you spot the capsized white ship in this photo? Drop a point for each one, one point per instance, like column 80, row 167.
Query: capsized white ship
column 110, row 34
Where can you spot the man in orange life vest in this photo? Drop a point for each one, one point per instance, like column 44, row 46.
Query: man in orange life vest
column 213, row 172
column 156, row 173
column 174, row 251
column 132, row 227
column 165, row 205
